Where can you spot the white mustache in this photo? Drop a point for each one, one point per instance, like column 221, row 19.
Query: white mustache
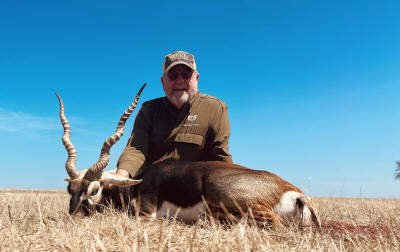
column 179, row 89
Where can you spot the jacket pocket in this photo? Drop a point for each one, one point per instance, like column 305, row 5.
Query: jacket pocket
column 189, row 138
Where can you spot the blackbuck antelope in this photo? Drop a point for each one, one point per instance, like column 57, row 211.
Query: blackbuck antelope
column 188, row 189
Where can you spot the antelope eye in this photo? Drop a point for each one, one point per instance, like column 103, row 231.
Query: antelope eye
column 95, row 191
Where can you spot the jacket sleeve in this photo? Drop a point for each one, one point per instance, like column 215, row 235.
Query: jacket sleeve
column 135, row 152
column 220, row 136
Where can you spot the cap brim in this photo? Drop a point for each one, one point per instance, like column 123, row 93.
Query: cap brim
column 178, row 63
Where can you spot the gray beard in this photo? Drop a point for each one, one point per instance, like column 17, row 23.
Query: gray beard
column 180, row 101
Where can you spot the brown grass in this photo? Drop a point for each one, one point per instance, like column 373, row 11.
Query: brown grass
column 38, row 221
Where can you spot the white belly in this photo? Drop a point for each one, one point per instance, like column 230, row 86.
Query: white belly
column 186, row 214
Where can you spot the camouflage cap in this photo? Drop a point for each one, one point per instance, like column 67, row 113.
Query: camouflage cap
column 176, row 58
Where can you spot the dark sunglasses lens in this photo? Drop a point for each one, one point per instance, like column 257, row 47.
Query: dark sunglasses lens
column 187, row 75
column 173, row 75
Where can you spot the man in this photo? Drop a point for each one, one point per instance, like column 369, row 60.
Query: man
column 184, row 125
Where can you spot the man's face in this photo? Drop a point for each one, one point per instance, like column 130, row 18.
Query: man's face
column 180, row 84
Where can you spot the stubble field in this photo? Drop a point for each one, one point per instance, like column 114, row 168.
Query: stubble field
column 38, row 221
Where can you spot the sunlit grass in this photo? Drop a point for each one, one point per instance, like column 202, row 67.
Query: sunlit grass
column 38, row 221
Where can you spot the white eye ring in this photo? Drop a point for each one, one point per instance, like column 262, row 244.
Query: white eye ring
column 94, row 186
column 93, row 199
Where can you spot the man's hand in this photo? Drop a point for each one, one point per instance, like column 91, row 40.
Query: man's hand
column 122, row 173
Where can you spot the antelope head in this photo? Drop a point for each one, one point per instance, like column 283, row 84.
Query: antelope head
column 86, row 187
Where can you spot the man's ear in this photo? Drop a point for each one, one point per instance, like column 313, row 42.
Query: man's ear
column 67, row 179
column 109, row 178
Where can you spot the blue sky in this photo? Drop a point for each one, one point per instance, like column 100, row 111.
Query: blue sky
column 312, row 87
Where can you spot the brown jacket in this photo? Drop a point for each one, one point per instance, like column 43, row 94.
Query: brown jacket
column 198, row 132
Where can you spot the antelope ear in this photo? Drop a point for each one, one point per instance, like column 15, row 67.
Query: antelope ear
column 67, row 179
column 110, row 178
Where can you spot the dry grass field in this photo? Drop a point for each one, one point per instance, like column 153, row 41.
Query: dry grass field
column 38, row 221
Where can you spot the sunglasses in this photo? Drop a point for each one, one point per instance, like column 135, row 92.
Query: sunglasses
column 186, row 75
